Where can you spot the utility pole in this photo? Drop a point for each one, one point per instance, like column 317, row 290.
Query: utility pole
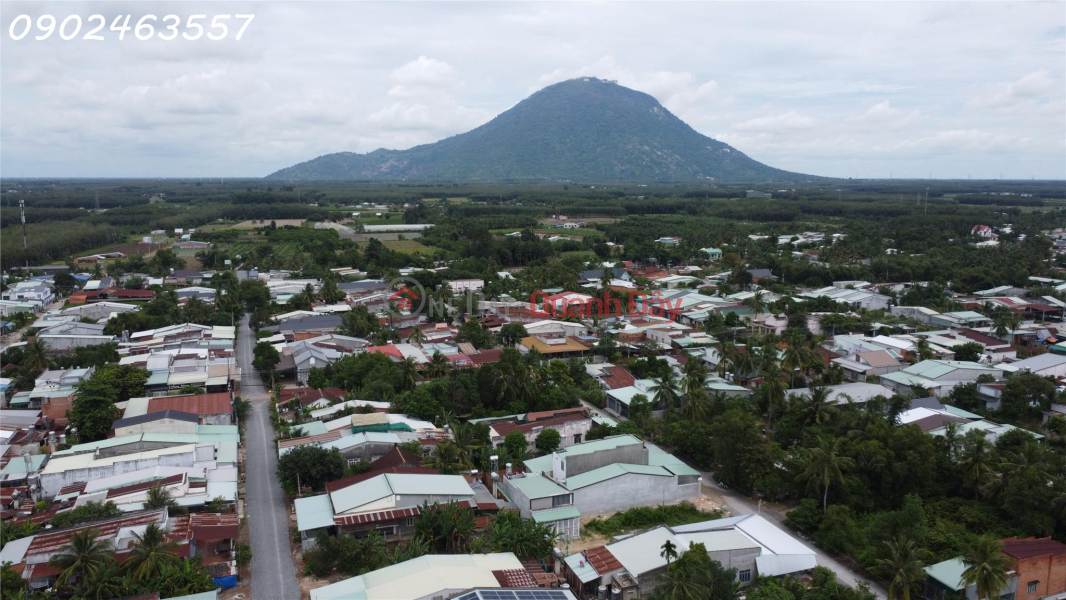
column 25, row 250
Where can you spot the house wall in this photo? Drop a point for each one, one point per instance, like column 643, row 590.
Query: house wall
column 369, row 451
column 1049, row 573
column 567, row 431
column 157, row 426
column 630, row 491
column 634, row 454
column 51, row 483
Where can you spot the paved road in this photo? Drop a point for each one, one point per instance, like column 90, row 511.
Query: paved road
column 273, row 572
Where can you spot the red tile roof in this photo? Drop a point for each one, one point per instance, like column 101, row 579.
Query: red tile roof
column 514, row 578
column 549, row 414
column 602, row 560
column 145, row 485
column 486, row 356
column 197, row 404
column 329, row 436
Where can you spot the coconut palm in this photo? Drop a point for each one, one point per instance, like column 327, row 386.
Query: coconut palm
column 756, row 303
column 794, row 360
column 669, row 552
column 744, row 366
column 664, row 390
column 447, row 458
column 150, row 552
column 773, row 382
column 85, row 555
column 417, row 336
column 465, row 441
column 986, row 567
column 159, row 496
column 35, row 355
column 438, row 366
column 905, row 566
column 815, row 409
column 409, row 371
column 108, row 582
column 330, row 292
column 952, row 440
column 727, row 358
column 824, row 465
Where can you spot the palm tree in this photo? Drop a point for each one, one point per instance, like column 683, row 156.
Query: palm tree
column 417, row 336
column 745, row 364
column 952, row 439
column 330, row 292
column 816, row 408
column 795, row 359
column 681, row 583
column 409, row 370
column 35, row 355
column 773, row 382
column 150, row 552
column 986, row 567
column 664, row 390
column 824, row 465
column 669, row 552
column 446, row 458
column 438, row 366
column 85, row 555
column 159, row 496
column 756, row 303
column 906, row 565
column 108, row 582
column 465, row 442
column 727, row 358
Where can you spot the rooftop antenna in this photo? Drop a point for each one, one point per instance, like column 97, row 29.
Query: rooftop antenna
column 22, row 214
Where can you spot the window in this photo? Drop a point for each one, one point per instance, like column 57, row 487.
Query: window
column 563, row 500
column 744, row 576
column 577, row 438
column 410, row 522
column 1031, row 586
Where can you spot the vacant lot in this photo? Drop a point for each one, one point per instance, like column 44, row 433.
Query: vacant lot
column 406, row 246
column 265, row 223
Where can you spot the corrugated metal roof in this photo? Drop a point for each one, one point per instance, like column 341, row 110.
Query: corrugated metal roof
column 314, row 513
column 782, row 564
column 556, row 514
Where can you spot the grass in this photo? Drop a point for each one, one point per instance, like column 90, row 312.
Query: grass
column 647, row 517
column 406, row 246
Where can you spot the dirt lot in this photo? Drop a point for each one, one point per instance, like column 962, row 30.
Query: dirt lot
column 279, row 222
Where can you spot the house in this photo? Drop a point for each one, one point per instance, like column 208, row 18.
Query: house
column 669, row 241
column 37, row 292
column 99, row 311
column 854, row 298
column 871, row 363
column 939, row 376
column 712, row 253
column 439, row 576
column 167, row 421
column 595, row 275
column 573, row 425
column 934, row 419
column 758, row 275
column 599, row 477
column 556, row 347
column 846, row 393
column 461, row 286
column 385, row 502
column 984, row 231
column 633, row 566
column 210, row 409
column 1047, row 365
column 1038, row 571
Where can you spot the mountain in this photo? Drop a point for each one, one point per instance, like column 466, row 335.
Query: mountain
column 582, row 129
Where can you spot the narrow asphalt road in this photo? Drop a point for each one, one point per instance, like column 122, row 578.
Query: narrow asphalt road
column 273, row 572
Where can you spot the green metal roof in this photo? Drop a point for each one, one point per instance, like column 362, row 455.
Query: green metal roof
column 948, row 573
column 659, row 457
column 958, row 412
column 314, row 513
column 556, row 514
column 535, row 486
column 18, row 466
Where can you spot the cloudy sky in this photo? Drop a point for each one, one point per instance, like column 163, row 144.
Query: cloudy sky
column 848, row 89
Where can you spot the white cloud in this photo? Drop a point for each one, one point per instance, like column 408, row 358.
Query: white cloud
column 789, row 121
column 1028, row 87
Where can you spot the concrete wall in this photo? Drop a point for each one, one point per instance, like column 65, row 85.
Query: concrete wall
column 158, row 426
column 635, row 454
column 630, row 491
column 51, row 483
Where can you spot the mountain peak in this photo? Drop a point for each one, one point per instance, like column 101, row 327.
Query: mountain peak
column 585, row 128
